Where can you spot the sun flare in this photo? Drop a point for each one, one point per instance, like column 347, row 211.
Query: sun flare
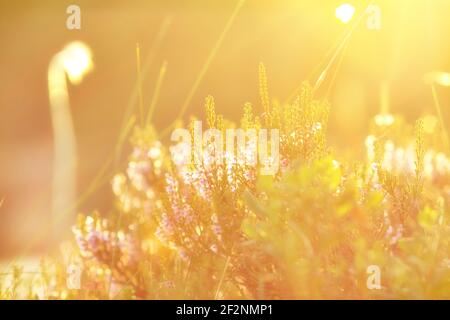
column 76, row 59
column 345, row 12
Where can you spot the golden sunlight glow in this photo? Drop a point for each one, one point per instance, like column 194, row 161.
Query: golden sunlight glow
column 229, row 149
column 429, row 123
column 345, row 12
column 384, row 120
column 438, row 77
column 444, row 79
column 76, row 58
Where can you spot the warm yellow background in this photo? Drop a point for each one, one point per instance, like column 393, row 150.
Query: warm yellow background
column 291, row 37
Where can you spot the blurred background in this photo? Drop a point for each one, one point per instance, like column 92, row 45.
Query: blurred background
column 291, row 37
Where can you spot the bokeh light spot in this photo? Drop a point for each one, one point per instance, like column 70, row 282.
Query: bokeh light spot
column 345, row 12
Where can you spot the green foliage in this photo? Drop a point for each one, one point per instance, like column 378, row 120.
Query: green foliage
column 311, row 231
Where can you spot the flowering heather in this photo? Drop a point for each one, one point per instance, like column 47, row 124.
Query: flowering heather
column 313, row 230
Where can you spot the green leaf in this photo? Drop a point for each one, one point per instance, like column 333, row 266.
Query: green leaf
column 427, row 218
